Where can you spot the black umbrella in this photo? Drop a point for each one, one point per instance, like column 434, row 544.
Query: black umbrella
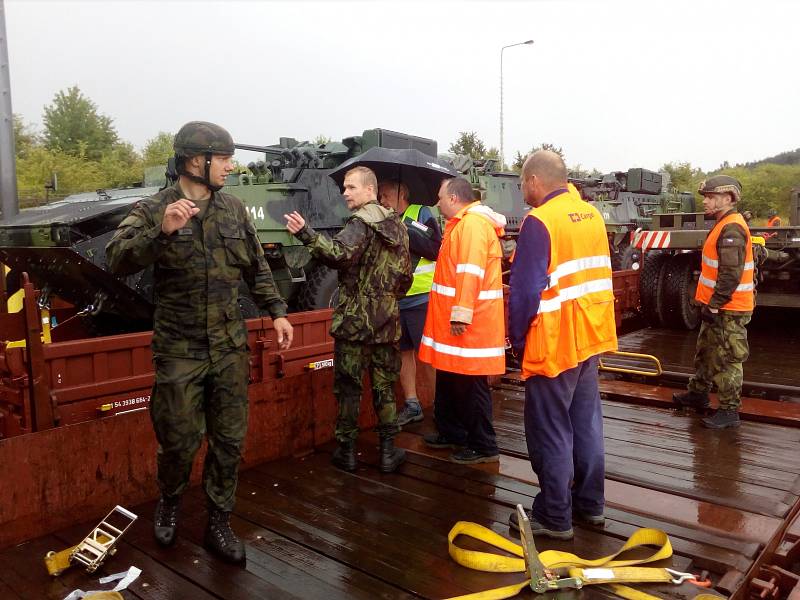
column 423, row 174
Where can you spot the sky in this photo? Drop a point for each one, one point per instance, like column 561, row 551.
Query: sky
column 616, row 84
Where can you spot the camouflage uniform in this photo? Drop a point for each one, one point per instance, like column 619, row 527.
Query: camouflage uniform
column 371, row 255
column 199, row 336
column 722, row 342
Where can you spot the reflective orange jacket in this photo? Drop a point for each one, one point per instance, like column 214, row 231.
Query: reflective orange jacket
column 743, row 299
column 774, row 221
column 468, row 288
column 576, row 312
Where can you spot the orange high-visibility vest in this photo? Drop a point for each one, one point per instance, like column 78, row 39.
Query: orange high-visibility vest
column 774, row 221
column 576, row 311
column 467, row 287
column 743, row 299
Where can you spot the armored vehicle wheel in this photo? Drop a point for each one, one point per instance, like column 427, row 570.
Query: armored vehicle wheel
column 678, row 291
column 320, row 291
column 626, row 258
column 651, row 284
column 12, row 281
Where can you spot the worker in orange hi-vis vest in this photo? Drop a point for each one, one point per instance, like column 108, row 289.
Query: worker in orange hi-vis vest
column 464, row 337
column 774, row 219
column 561, row 316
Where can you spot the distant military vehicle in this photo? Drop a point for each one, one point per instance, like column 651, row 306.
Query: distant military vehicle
column 62, row 245
column 628, row 200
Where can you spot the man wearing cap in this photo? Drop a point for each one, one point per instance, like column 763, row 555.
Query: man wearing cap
column 424, row 241
column 202, row 245
column 726, row 292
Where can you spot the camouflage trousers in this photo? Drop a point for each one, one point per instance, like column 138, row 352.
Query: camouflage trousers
column 351, row 359
column 192, row 398
column 721, row 349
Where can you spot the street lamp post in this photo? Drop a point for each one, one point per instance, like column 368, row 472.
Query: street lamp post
column 502, row 153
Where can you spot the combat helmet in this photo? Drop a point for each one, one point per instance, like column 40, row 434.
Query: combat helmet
column 201, row 138
column 720, row 184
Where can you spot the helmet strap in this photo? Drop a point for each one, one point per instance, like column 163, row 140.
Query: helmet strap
column 205, row 180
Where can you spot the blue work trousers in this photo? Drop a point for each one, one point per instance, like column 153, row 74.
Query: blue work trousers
column 564, row 432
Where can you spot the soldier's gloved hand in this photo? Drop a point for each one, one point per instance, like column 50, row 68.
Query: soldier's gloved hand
column 285, row 332
column 708, row 315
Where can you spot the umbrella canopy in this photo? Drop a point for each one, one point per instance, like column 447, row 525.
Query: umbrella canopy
column 423, row 174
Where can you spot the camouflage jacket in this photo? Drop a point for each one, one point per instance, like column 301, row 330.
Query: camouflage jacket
column 197, row 273
column 372, row 258
column 731, row 251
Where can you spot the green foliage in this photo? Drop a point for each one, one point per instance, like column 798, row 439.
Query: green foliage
column 72, row 125
column 492, row 153
column 158, row 150
column 766, row 186
column 683, row 177
column 321, row 140
column 519, row 158
column 25, row 137
column 469, row 144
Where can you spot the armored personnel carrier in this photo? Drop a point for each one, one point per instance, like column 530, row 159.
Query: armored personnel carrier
column 62, row 245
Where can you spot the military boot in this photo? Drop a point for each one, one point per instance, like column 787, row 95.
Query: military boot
column 221, row 539
column 391, row 457
column 724, row 417
column 165, row 521
column 344, row 457
column 696, row 400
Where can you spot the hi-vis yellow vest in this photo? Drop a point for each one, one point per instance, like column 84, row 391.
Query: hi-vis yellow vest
column 423, row 273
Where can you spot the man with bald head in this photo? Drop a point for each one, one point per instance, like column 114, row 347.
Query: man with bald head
column 561, row 316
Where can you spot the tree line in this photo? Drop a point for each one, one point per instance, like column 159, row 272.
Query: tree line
column 82, row 148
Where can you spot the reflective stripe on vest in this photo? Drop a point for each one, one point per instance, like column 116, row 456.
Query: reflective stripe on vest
column 423, row 273
column 743, row 299
column 576, row 310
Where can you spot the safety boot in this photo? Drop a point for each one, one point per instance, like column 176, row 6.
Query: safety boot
column 344, row 457
column 724, row 417
column 696, row 400
column 391, row 457
column 165, row 520
column 221, row 539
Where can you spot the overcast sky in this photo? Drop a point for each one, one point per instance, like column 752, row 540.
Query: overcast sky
column 617, row 84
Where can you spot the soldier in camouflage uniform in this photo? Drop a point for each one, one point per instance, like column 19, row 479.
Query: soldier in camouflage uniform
column 372, row 258
column 722, row 342
column 202, row 245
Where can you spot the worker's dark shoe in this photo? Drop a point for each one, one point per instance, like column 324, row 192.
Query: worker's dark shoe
column 391, row 457
column 437, row 440
column 468, row 456
column 411, row 413
column 165, row 521
column 722, row 418
column 344, row 456
column 583, row 518
column 698, row 401
column 539, row 529
column 220, row 538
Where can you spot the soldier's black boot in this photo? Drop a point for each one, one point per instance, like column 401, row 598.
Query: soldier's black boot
column 696, row 400
column 391, row 457
column 344, row 457
column 165, row 521
column 723, row 418
column 221, row 539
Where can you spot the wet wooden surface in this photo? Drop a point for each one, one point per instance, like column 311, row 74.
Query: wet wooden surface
column 315, row 532
column 774, row 353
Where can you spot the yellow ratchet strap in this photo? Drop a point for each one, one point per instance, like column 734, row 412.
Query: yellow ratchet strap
column 608, row 570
